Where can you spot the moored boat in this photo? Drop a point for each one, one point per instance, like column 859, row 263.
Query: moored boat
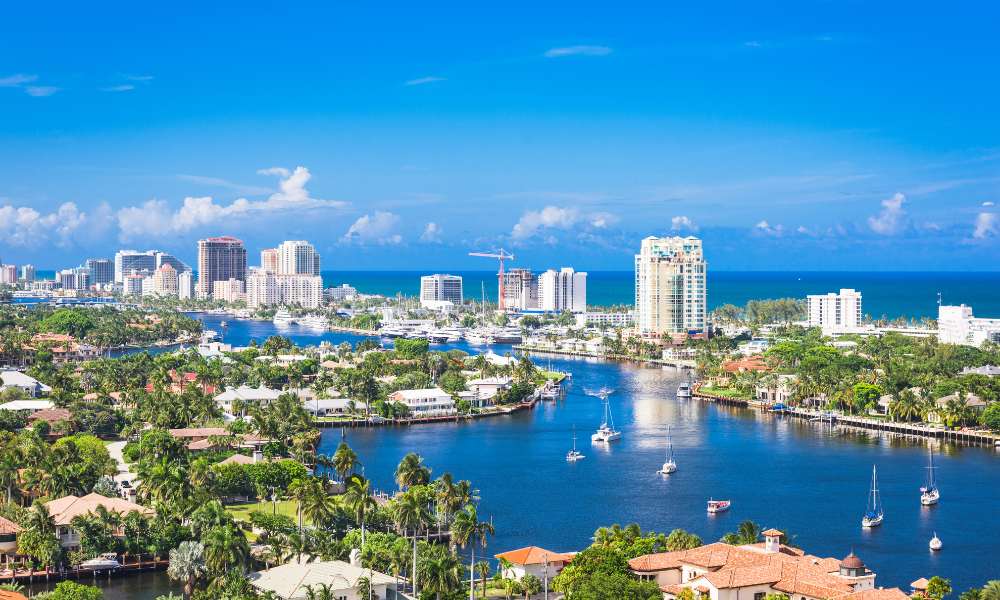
column 718, row 506
column 874, row 513
column 606, row 432
column 929, row 493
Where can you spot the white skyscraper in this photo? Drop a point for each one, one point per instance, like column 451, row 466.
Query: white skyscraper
column 835, row 313
column 956, row 325
column 563, row 290
column 437, row 290
column 670, row 294
column 265, row 288
column 132, row 262
column 186, row 285
column 297, row 257
column 520, row 289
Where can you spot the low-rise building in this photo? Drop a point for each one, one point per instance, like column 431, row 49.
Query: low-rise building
column 956, row 325
column 428, row 402
column 293, row 581
column 28, row 405
column 971, row 401
column 247, row 396
column 64, row 509
column 779, row 391
column 532, row 560
column 486, row 388
column 26, row 383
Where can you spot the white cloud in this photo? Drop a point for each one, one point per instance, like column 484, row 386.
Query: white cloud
column 155, row 217
column 889, row 220
column 804, row 230
column 682, row 222
column 142, row 78
column 17, row 80
column 40, row 91
column 577, row 51
column 375, row 228
column 988, row 203
column 432, row 233
column 225, row 183
column 25, row 226
column 424, row 80
column 550, row 217
column 986, row 226
column 765, row 228
column 125, row 87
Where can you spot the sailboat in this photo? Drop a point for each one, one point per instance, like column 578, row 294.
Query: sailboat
column 929, row 494
column 935, row 544
column 669, row 466
column 606, row 432
column 874, row 514
column 574, row 455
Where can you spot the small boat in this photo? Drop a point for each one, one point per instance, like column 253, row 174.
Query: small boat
column 606, row 432
column 935, row 543
column 684, row 390
column 718, row 506
column 874, row 513
column 929, row 494
column 669, row 466
column 104, row 562
column 574, row 455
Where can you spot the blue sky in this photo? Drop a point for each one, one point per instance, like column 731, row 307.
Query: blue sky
column 789, row 135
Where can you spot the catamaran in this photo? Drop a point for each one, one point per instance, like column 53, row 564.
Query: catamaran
column 874, row 514
column 606, row 432
column 670, row 465
column 929, row 494
column 573, row 455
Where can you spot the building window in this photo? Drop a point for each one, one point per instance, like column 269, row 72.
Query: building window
column 759, row 596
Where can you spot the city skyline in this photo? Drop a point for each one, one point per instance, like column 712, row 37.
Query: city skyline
column 831, row 137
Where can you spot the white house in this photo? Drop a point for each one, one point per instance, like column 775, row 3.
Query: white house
column 487, row 387
column 328, row 407
column 429, row 402
column 26, row 383
column 29, row 405
column 260, row 396
column 776, row 394
column 292, row 581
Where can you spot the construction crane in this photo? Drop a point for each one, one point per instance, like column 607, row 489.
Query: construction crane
column 500, row 255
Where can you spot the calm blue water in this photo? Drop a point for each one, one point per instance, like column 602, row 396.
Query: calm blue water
column 894, row 294
column 800, row 477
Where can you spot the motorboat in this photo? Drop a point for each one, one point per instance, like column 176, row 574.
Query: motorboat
column 929, row 493
column 480, row 337
column 874, row 513
column 670, row 465
column 574, row 455
column 283, row 317
column 684, row 390
column 314, row 322
column 935, row 543
column 718, row 506
column 103, row 562
column 606, row 432
column 550, row 391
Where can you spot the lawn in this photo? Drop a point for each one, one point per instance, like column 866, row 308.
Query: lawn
column 241, row 512
column 724, row 392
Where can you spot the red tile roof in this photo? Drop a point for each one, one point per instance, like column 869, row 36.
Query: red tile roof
column 533, row 555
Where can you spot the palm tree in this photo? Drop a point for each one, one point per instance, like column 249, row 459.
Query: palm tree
column 359, row 500
column 364, row 589
column 482, row 569
column 320, row 591
column 748, row 532
column 441, row 572
column 187, row 564
column 468, row 528
column 411, row 471
column 225, row 548
column 313, row 501
column 344, row 460
column 991, row 591
column 410, row 512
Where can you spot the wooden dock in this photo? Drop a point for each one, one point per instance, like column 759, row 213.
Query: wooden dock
column 128, row 568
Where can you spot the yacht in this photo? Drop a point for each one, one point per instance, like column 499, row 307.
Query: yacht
column 283, row 317
column 718, row 506
column 929, row 494
column 606, row 432
column 314, row 322
column 480, row 337
column 669, row 466
column 209, row 335
column 104, row 562
column 935, row 543
column 550, row 391
column 874, row 513
column 574, row 455
column 684, row 390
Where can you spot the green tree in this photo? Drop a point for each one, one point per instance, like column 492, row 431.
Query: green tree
column 991, row 417
column 70, row 590
column 468, row 530
column 411, row 471
column 187, row 564
column 938, row 587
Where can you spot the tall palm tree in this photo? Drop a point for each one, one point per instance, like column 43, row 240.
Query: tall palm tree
column 468, row 529
column 411, row 471
column 359, row 500
column 441, row 572
column 991, row 591
column 482, row 568
column 344, row 460
column 313, row 501
column 187, row 564
column 410, row 513
column 225, row 548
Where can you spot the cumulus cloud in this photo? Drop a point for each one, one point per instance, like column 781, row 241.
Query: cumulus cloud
column 378, row 228
column 432, row 233
column 25, row 226
column 682, row 222
column 155, row 217
column 550, row 217
column 890, row 220
column 765, row 228
column 986, row 226
column 424, row 80
column 988, row 203
column 577, row 51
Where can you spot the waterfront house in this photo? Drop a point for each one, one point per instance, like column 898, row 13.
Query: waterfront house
column 754, row 347
column 64, row 509
column 777, row 393
column 248, row 396
column 331, row 407
column 747, row 364
column 292, row 581
column 26, row 383
column 429, row 402
column 31, row 406
column 65, row 348
column 536, row 561
column 180, row 381
column 973, row 402
column 721, row 571
column 8, row 537
column 487, row 387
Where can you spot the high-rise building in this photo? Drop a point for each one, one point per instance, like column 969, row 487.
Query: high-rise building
column 133, row 262
column 835, row 312
column 269, row 260
column 132, row 284
column 520, row 289
column 563, row 290
column 230, row 290
column 297, row 257
column 956, row 325
column 265, row 288
column 165, row 281
column 220, row 259
column 436, row 290
column 162, row 258
column 74, row 279
column 102, row 270
column 670, row 293
column 28, row 273
column 185, row 285
column 8, row 274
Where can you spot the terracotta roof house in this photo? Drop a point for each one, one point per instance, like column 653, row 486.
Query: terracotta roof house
column 180, row 381
column 8, row 537
column 721, row 571
column 5, row 595
column 50, row 415
column 64, row 509
column 750, row 363
column 535, row 561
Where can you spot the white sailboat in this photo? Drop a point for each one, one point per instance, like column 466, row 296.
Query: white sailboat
column 874, row 513
column 606, row 432
column 669, row 466
column 929, row 494
column 574, row 455
column 935, row 543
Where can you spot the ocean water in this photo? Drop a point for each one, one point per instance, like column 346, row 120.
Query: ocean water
column 892, row 294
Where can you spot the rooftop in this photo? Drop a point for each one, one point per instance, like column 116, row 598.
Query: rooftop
column 289, row 581
column 533, row 555
column 64, row 509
